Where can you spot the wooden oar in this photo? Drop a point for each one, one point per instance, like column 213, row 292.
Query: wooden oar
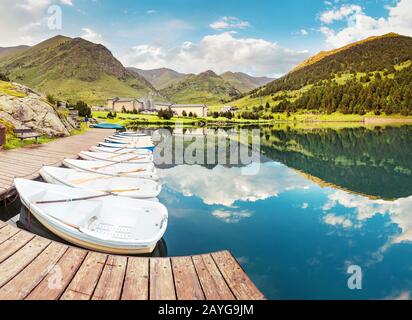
column 137, row 157
column 71, row 200
column 83, row 180
column 119, row 190
column 117, row 162
column 131, row 171
column 67, row 223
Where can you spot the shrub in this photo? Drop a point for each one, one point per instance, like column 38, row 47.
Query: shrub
column 166, row 114
column 3, row 77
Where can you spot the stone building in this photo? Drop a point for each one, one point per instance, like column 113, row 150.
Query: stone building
column 128, row 104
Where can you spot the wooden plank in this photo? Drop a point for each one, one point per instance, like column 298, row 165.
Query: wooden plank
column 136, row 284
column 161, row 280
column 240, row 284
column 17, row 262
column 186, row 279
column 7, row 232
column 110, row 284
column 13, row 244
column 22, row 284
column 57, row 280
column 213, row 284
column 83, row 284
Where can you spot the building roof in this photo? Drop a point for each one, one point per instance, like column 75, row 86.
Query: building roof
column 117, row 99
column 173, row 105
column 189, row 105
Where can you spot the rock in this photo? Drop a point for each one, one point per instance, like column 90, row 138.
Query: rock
column 33, row 112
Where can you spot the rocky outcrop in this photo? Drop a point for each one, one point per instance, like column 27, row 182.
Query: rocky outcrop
column 30, row 110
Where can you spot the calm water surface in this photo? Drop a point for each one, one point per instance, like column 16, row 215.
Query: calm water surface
column 322, row 200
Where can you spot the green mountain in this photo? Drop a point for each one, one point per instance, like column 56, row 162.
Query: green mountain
column 8, row 51
column 206, row 87
column 74, row 69
column 164, row 77
column 244, row 82
column 372, row 75
column 159, row 78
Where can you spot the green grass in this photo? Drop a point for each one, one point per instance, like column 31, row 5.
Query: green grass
column 8, row 89
column 94, row 93
column 126, row 119
column 12, row 142
column 83, row 129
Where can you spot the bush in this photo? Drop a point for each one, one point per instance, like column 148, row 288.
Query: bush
column 50, row 99
column 3, row 77
column 83, row 108
column 166, row 114
column 184, row 113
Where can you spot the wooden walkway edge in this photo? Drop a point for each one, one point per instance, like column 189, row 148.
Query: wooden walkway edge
column 34, row 268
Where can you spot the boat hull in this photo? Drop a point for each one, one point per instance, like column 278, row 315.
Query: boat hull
column 80, row 236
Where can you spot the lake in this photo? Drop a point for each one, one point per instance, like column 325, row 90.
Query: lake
column 321, row 201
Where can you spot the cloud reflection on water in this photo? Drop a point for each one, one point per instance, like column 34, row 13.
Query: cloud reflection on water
column 225, row 186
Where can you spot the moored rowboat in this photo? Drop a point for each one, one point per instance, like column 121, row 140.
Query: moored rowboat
column 131, row 158
column 137, row 170
column 121, row 150
column 95, row 220
column 126, row 146
column 121, row 186
column 135, row 142
column 108, row 126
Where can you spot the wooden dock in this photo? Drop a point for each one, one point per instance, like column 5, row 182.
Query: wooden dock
column 34, row 268
column 26, row 162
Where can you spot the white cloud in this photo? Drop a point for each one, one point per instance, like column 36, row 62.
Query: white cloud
column 233, row 186
column 36, row 5
column 229, row 23
column 340, row 14
column 335, row 220
column 360, row 26
column 67, row 2
column 398, row 211
column 219, row 52
column 25, row 21
column 151, row 11
column 231, row 216
column 303, row 32
column 93, row 36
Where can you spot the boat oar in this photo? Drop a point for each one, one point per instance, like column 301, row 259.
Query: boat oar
column 117, row 162
column 130, row 171
column 119, row 190
column 104, row 166
column 80, row 181
column 66, row 223
column 71, row 200
column 138, row 157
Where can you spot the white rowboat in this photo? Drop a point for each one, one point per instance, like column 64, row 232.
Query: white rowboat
column 144, row 142
column 121, row 186
column 121, row 150
column 94, row 220
column 126, row 146
column 130, row 158
column 136, row 170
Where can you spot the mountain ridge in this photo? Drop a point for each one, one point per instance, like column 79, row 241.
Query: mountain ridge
column 206, row 87
column 74, row 68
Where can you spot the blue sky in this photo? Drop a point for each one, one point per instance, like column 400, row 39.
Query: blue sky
column 266, row 37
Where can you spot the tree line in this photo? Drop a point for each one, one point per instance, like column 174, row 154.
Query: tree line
column 386, row 95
